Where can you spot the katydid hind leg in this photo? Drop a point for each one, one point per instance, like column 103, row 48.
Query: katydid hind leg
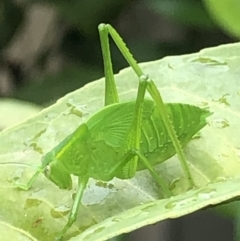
column 111, row 95
column 123, row 48
column 82, row 183
column 155, row 94
column 152, row 89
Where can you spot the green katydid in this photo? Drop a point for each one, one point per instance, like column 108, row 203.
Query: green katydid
column 123, row 137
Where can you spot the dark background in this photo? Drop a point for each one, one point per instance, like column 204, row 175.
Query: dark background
column 52, row 47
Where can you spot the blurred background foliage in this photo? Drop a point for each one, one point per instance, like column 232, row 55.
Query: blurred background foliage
column 67, row 54
column 51, row 47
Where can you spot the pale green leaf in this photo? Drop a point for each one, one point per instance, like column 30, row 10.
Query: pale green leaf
column 226, row 14
column 8, row 232
column 15, row 111
column 189, row 13
column 208, row 78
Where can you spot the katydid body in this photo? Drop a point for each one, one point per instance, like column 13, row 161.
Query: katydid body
column 124, row 137
column 96, row 146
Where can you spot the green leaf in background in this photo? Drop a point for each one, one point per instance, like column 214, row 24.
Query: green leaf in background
column 226, row 14
column 188, row 12
column 209, row 78
column 14, row 111
column 8, row 232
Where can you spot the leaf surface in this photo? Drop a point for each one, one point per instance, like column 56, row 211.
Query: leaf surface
column 15, row 111
column 209, row 78
column 226, row 15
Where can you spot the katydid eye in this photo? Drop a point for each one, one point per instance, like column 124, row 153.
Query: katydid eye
column 47, row 171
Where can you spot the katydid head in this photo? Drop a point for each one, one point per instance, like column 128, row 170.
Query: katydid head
column 56, row 173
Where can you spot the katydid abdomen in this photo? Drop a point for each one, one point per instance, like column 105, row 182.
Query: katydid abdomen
column 156, row 144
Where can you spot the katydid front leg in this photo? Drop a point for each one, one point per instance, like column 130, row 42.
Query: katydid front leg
column 82, row 183
column 104, row 31
column 56, row 173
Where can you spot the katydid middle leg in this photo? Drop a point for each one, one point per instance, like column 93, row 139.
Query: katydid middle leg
column 105, row 30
